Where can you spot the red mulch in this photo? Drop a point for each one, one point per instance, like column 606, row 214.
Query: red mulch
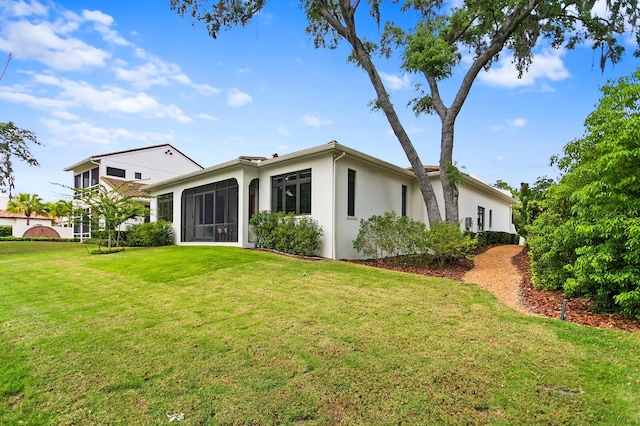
column 549, row 303
column 541, row 302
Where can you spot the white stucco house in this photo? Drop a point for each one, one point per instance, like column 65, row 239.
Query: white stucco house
column 138, row 167
column 34, row 226
column 332, row 183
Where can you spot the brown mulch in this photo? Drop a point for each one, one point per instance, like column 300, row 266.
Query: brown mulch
column 527, row 299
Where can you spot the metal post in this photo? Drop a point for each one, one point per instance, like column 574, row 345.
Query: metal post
column 564, row 309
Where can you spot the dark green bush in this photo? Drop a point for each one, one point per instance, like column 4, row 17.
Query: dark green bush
column 286, row 233
column 392, row 239
column 6, row 231
column 445, row 244
column 389, row 238
column 490, row 238
column 151, row 234
column 55, row 240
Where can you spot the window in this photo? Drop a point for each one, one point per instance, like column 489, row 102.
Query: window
column 490, row 219
column 210, row 212
column 95, row 176
column 138, row 175
column 291, row 192
column 165, row 207
column 404, row 200
column 112, row 171
column 480, row 218
column 85, row 179
column 77, row 181
column 351, row 192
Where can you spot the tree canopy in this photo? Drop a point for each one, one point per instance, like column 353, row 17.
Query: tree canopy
column 587, row 237
column 14, row 144
column 431, row 36
column 27, row 204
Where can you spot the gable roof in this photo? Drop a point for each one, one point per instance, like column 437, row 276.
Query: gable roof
column 94, row 158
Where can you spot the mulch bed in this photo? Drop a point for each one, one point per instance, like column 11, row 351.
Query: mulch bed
column 549, row 303
column 540, row 302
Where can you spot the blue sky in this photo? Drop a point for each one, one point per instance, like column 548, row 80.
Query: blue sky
column 95, row 77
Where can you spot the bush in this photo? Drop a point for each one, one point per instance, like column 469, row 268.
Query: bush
column 445, row 244
column 151, row 234
column 6, row 231
column 286, row 233
column 389, row 238
column 392, row 239
column 490, row 238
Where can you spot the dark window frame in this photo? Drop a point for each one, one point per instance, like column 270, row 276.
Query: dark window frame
column 138, row 175
column 210, row 212
column 404, row 200
column 480, row 218
column 116, row 172
column 351, row 193
column 165, row 207
column 291, row 192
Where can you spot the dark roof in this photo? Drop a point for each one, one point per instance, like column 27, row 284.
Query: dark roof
column 126, row 188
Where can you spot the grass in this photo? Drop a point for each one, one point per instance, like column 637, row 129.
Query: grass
column 229, row 336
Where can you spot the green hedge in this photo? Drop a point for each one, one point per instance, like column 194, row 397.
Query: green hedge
column 492, row 238
column 286, row 233
column 57, row 240
column 6, row 231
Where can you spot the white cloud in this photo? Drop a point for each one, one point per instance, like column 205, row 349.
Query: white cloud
column 284, row 131
column 41, row 42
column 394, row 82
column 80, row 94
column 85, row 132
column 21, row 8
column 97, row 16
column 517, row 122
column 157, row 72
column 237, row 98
column 207, row 117
column 499, row 158
column 313, row 121
column 546, row 65
column 244, row 70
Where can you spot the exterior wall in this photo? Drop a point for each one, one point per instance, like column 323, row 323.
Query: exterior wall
column 470, row 198
column 377, row 190
column 19, row 226
column 154, row 164
column 321, row 166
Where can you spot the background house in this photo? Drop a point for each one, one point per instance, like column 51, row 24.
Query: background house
column 143, row 166
column 34, row 226
column 332, row 183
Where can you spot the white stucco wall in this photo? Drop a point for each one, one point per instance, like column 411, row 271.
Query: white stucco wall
column 377, row 190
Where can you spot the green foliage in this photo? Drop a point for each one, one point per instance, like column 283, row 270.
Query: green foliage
column 6, row 231
column 151, row 234
column 392, row 239
column 490, row 238
column 286, row 233
column 27, row 204
column 14, row 143
column 47, row 239
column 110, row 208
column 587, row 238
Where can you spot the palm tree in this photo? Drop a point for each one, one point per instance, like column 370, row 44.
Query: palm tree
column 59, row 209
column 28, row 204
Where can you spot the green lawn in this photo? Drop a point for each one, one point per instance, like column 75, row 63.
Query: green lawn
column 231, row 336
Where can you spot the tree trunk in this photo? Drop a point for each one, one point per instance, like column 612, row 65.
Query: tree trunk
column 449, row 187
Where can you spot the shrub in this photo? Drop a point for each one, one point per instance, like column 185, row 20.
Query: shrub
column 151, row 234
column 389, row 238
column 6, row 231
column 444, row 244
column 392, row 239
column 489, row 238
column 286, row 233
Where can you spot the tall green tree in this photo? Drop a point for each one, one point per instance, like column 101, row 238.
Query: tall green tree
column 109, row 209
column 431, row 34
column 14, row 143
column 27, row 204
column 587, row 238
column 59, row 209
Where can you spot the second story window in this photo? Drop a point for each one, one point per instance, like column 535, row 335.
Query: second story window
column 115, row 172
